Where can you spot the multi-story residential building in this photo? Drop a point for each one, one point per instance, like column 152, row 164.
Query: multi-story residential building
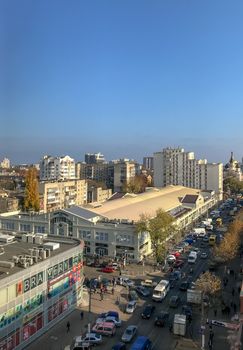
column 41, row 282
column 148, row 163
column 110, row 228
column 97, row 194
column 124, row 171
column 174, row 166
column 99, row 172
column 62, row 194
column 5, row 163
column 94, row 158
column 57, row 168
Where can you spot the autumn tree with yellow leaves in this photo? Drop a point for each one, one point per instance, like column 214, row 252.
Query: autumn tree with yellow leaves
column 31, row 199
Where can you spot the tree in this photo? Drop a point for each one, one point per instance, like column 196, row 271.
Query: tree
column 159, row 227
column 208, row 283
column 233, row 184
column 31, row 200
column 229, row 246
column 136, row 184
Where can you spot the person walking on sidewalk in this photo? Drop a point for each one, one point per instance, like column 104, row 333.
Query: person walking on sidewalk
column 68, row 326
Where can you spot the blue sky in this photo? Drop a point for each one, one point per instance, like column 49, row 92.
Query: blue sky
column 124, row 77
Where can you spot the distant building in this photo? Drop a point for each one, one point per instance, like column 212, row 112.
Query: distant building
column 62, row 194
column 57, row 168
column 8, row 204
column 233, row 168
column 174, row 166
column 99, row 172
column 148, row 163
column 98, row 194
column 124, row 171
column 94, row 158
column 5, row 163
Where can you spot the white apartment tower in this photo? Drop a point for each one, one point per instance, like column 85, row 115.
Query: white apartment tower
column 174, row 166
column 57, row 168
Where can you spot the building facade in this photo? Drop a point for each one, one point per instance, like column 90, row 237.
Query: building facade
column 94, row 158
column 233, row 169
column 110, row 229
column 5, row 163
column 57, row 168
column 148, row 163
column 124, row 171
column 62, row 194
column 36, row 296
column 174, row 166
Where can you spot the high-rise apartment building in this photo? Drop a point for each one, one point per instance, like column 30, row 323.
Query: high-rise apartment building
column 94, row 158
column 174, row 166
column 62, row 194
column 57, row 168
column 124, row 171
column 148, row 163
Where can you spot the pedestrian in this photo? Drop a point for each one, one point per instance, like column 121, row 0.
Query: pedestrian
column 101, row 296
column 235, row 307
column 215, row 312
column 68, row 326
column 81, row 315
column 233, row 292
column 112, row 290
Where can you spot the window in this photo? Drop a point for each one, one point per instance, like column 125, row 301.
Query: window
column 85, row 234
column 39, row 229
column 25, row 227
column 101, row 236
column 7, row 225
column 125, row 238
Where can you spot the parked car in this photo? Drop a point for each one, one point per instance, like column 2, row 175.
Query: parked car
column 161, row 319
column 119, row 346
column 143, row 291
column 131, row 306
column 125, row 281
column 148, row 311
column 184, row 286
column 110, row 313
column 109, row 319
column 107, row 269
column 133, row 295
column 129, row 333
column 174, row 301
column 171, row 259
column 148, row 283
column 92, row 338
column 105, row 328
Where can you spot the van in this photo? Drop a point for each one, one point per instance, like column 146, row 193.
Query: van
column 161, row 290
column 142, row 343
column 105, row 328
column 192, row 257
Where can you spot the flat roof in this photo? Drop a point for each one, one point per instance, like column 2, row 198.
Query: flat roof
column 18, row 247
column 130, row 207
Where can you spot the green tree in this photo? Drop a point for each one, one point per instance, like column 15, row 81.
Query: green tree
column 31, row 200
column 160, row 228
column 232, row 184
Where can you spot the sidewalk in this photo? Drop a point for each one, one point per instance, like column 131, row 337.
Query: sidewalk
column 57, row 337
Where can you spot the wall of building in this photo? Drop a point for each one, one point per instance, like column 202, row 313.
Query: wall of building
column 33, row 300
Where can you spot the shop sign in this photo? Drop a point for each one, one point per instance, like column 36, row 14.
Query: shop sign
column 58, row 269
column 33, row 281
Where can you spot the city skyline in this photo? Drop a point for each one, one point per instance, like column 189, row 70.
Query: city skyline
column 123, row 78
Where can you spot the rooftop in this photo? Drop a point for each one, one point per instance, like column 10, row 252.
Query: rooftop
column 130, row 207
column 19, row 247
column 190, row 198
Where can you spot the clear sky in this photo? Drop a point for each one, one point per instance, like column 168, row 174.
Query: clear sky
column 123, row 77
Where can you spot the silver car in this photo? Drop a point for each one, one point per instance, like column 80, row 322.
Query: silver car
column 129, row 334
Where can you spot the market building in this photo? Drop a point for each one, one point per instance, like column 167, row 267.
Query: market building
column 40, row 283
column 109, row 229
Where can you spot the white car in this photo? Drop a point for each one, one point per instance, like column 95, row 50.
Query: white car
column 171, row 258
column 88, row 339
column 204, row 255
column 131, row 306
column 110, row 319
column 125, row 281
column 129, row 333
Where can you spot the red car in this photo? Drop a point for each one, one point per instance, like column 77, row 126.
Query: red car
column 176, row 254
column 178, row 263
column 107, row 269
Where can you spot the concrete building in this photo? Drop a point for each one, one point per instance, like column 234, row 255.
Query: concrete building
column 148, row 163
column 8, row 204
column 99, row 172
column 109, row 229
column 233, row 169
column 5, row 163
column 62, row 194
column 57, row 168
column 41, row 282
column 174, row 166
column 124, row 171
column 94, row 158
column 98, row 194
